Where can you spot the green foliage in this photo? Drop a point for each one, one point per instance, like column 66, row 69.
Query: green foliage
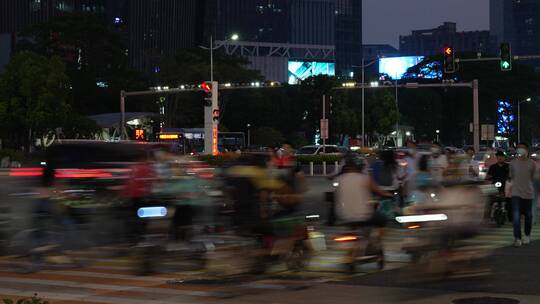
column 14, row 155
column 318, row 159
column 193, row 66
column 34, row 92
column 33, row 300
column 450, row 109
column 268, row 137
column 381, row 112
column 91, row 52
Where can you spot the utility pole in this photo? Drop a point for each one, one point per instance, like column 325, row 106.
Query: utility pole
column 323, row 122
column 476, row 115
column 415, row 85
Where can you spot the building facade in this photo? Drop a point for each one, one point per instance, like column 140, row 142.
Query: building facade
column 335, row 23
column 517, row 22
column 374, row 51
column 432, row 41
column 156, row 28
column 150, row 28
column 348, row 36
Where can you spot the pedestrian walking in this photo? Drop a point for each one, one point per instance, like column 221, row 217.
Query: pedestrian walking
column 522, row 172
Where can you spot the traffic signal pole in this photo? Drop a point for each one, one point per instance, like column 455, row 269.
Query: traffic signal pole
column 211, row 124
column 473, row 85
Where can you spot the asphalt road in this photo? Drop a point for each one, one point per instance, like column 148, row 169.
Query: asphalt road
column 111, row 279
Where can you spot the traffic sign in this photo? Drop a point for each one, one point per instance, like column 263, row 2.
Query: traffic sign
column 488, row 132
column 324, row 128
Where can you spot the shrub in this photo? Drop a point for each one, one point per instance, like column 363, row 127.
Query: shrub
column 14, row 155
column 33, row 300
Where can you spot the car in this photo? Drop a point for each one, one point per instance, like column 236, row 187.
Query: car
column 319, row 149
column 481, row 162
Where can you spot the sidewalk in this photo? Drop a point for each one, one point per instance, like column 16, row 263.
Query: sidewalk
column 340, row 294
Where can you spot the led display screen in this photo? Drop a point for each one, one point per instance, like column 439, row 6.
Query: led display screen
column 395, row 67
column 506, row 118
column 300, row 70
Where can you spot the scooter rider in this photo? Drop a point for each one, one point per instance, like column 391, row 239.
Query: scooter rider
column 353, row 197
column 499, row 173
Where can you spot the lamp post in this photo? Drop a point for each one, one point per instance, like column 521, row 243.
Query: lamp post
column 437, row 132
column 248, row 135
column 364, row 66
column 233, row 37
column 519, row 117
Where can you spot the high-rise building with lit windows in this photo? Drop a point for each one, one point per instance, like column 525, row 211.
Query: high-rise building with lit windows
column 517, row 22
column 306, row 22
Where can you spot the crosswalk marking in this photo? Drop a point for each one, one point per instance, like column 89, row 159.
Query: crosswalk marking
column 110, row 279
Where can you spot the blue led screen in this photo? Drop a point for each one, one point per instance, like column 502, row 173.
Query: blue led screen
column 506, row 118
column 300, row 70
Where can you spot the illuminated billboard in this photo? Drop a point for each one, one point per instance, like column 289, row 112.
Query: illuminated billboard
column 506, row 118
column 395, row 67
column 300, row 70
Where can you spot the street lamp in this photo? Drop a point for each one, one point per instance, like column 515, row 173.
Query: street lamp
column 437, row 131
column 364, row 66
column 249, row 135
column 233, row 37
column 519, row 117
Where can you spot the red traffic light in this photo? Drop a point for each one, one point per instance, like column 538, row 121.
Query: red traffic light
column 207, row 87
column 448, row 51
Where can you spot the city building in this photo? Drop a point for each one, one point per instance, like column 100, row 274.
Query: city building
column 516, row 22
column 16, row 15
column 348, row 39
column 432, row 41
column 374, row 51
column 150, row 29
column 157, row 28
column 335, row 23
column 284, row 62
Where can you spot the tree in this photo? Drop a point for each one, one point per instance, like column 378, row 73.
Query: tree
column 34, row 93
column 494, row 85
column 381, row 112
column 193, row 66
column 94, row 55
column 268, row 137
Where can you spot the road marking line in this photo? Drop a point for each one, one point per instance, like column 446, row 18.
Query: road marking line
column 111, row 287
column 88, row 297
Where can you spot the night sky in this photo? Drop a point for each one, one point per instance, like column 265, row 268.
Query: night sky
column 385, row 20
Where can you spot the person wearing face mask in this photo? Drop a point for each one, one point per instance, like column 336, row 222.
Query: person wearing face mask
column 522, row 172
column 438, row 163
column 498, row 173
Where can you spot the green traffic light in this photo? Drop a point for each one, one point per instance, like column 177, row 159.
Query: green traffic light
column 505, row 65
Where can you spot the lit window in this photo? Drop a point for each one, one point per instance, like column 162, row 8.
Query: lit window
column 35, row 5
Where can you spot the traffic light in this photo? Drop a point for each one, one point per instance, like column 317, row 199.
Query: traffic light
column 215, row 115
column 207, row 90
column 506, row 57
column 449, row 63
column 139, row 134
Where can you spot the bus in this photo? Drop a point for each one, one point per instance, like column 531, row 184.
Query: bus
column 191, row 140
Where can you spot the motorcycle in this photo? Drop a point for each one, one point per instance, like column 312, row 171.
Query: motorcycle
column 498, row 210
column 362, row 247
column 437, row 231
column 289, row 241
